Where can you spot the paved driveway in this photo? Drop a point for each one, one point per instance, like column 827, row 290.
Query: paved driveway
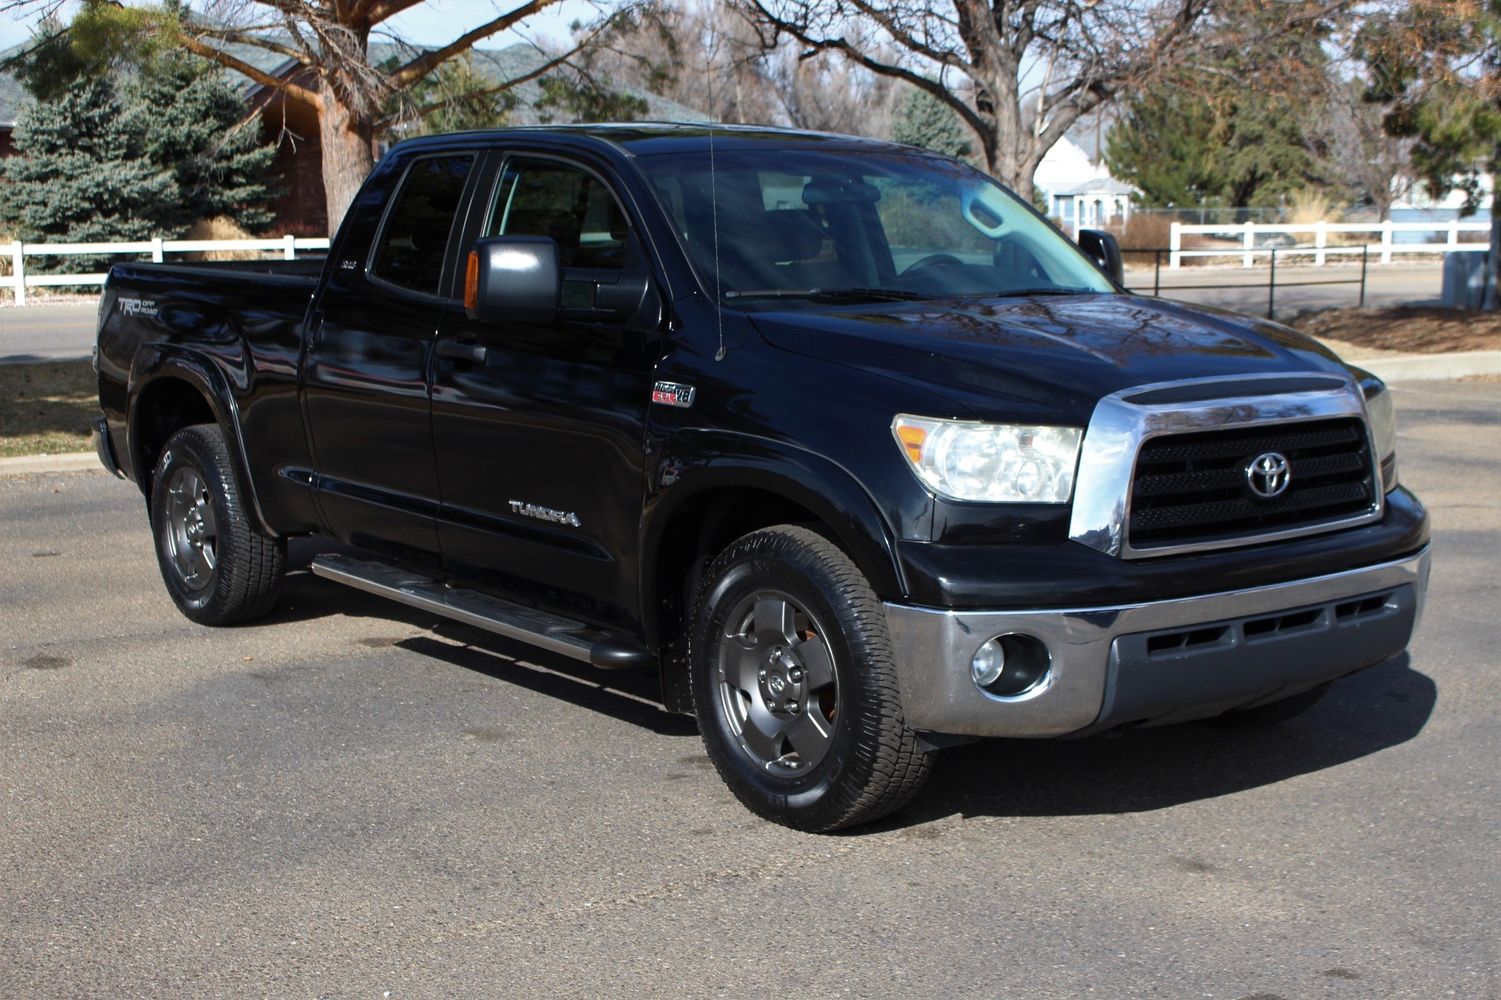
column 348, row 802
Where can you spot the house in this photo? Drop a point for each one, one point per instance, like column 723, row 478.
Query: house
column 12, row 98
column 1080, row 192
column 300, row 206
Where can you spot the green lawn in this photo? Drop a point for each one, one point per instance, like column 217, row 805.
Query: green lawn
column 45, row 408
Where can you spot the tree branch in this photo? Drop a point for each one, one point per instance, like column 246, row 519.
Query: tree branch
column 426, row 63
column 294, row 91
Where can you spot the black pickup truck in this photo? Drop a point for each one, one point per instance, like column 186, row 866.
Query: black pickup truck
column 840, row 438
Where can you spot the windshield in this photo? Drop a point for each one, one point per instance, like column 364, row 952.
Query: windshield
column 858, row 225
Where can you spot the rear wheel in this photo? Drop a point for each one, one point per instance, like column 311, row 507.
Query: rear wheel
column 794, row 686
column 217, row 567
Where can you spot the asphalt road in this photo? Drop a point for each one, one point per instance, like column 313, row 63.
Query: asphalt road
column 46, row 332
column 66, row 330
column 347, row 802
column 1299, row 288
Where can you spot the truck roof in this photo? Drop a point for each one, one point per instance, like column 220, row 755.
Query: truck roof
column 639, row 138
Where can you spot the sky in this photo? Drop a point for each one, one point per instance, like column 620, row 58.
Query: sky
column 432, row 23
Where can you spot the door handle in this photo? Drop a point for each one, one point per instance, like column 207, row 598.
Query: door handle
column 461, row 350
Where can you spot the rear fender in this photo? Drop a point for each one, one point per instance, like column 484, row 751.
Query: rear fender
column 157, row 362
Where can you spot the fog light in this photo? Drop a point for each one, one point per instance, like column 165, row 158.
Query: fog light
column 1011, row 665
column 989, row 661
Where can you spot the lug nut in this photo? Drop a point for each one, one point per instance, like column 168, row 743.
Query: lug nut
column 795, row 674
column 793, row 707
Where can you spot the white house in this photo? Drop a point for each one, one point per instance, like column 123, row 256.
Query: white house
column 1080, row 193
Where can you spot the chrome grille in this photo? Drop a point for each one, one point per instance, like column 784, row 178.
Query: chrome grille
column 1192, row 488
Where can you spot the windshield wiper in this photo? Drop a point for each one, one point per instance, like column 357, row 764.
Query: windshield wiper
column 830, row 294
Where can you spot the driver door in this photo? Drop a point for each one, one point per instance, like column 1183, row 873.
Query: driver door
column 539, row 427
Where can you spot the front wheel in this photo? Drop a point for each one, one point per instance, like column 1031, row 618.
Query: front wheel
column 794, row 685
column 217, row 567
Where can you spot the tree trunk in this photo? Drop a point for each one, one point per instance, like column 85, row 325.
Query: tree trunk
column 348, row 153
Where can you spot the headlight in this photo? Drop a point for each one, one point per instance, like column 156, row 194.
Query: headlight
column 991, row 463
column 1383, row 417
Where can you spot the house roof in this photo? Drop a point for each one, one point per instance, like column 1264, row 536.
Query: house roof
column 13, row 96
column 1096, row 185
column 498, row 65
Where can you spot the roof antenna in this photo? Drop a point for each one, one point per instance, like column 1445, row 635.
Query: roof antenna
column 714, row 215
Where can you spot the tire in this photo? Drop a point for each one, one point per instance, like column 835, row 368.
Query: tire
column 794, row 686
column 1272, row 712
column 217, row 567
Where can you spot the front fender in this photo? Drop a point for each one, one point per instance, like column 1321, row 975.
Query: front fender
column 696, row 463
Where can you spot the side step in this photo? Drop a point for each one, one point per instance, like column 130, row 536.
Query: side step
column 514, row 621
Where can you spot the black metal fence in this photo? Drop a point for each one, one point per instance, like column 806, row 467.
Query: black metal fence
column 1271, row 283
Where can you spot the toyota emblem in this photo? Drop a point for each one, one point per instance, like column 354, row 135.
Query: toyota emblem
column 1268, row 475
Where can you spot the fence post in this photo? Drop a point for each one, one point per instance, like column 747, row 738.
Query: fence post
column 1249, row 260
column 1156, row 272
column 1365, row 257
column 1453, row 233
column 1386, row 241
column 156, row 250
column 1271, row 288
column 18, row 270
column 290, row 247
column 1175, row 245
column 1320, row 240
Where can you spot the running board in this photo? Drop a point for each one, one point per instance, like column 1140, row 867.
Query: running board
column 553, row 633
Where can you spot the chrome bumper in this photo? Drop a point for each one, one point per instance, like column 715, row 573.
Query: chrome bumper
column 1107, row 670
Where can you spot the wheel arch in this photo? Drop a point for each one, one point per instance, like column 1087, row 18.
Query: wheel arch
column 722, row 498
column 172, row 389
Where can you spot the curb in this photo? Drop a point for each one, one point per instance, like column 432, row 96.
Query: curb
column 78, row 461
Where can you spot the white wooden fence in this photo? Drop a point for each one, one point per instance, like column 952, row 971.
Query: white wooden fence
column 18, row 280
column 1446, row 241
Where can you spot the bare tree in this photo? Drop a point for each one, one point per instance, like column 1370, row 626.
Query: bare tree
column 1357, row 150
column 1019, row 73
column 708, row 55
column 326, row 44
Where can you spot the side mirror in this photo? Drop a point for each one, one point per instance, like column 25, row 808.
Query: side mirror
column 1102, row 248
column 513, row 279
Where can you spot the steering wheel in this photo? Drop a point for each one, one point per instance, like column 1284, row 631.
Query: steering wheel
column 934, row 260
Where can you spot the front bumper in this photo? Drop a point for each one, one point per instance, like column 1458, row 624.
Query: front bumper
column 1164, row 661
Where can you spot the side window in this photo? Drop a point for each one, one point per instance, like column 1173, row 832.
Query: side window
column 415, row 237
column 544, row 198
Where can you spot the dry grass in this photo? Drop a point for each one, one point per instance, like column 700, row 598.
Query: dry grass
column 1145, row 232
column 1408, row 329
column 45, row 408
column 1310, row 206
column 220, row 228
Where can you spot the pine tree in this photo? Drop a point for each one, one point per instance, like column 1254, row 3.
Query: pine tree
column 928, row 122
column 81, row 174
column 196, row 128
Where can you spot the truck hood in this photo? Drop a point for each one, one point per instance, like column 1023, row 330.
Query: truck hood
column 1045, row 353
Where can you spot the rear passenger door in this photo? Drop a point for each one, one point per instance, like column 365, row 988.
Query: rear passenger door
column 370, row 343
column 539, row 426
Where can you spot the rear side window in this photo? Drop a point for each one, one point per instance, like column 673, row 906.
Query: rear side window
column 545, row 198
column 415, row 237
